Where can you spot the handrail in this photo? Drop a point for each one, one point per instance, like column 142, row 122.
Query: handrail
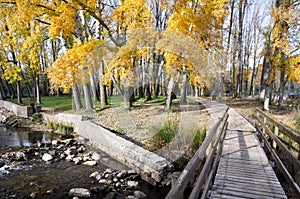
column 189, row 173
column 263, row 130
column 295, row 136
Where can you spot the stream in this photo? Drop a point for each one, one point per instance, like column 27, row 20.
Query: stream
column 39, row 179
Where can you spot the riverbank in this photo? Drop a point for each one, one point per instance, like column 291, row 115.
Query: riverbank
column 65, row 169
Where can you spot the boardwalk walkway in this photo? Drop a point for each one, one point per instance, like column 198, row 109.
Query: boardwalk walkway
column 244, row 170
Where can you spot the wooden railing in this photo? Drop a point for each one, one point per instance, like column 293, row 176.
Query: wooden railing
column 279, row 148
column 202, row 166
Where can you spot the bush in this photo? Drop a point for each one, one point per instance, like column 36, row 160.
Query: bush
column 165, row 134
column 37, row 117
column 52, row 125
column 297, row 122
column 199, row 136
column 65, row 130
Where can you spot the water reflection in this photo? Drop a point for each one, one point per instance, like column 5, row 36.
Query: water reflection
column 20, row 138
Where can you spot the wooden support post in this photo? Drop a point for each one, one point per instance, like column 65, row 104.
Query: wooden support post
column 299, row 153
column 276, row 134
column 265, row 121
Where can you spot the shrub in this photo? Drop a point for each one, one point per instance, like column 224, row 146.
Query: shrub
column 65, row 130
column 52, row 125
column 37, row 117
column 165, row 134
column 199, row 136
column 297, row 122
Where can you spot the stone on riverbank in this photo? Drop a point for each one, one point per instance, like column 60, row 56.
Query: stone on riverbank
column 90, row 163
column 132, row 184
column 96, row 156
column 80, row 192
column 47, row 157
column 140, row 195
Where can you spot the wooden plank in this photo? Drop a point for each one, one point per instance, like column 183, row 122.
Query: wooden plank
column 242, row 186
column 245, row 163
column 248, row 175
column 216, row 195
column 257, row 193
column 225, row 179
column 239, row 193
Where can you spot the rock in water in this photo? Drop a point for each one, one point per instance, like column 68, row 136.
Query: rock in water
column 122, row 174
column 20, row 156
column 96, row 156
column 140, row 194
column 94, row 174
column 132, row 184
column 90, row 163
column 47, row 157
column 80, row 192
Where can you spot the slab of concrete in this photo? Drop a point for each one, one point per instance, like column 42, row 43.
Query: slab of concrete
column 152, row 167
column 21, row 111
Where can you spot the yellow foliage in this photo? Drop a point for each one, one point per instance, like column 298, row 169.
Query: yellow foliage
column 72, row 67
column 63, row 23
column 293, row 68
column 12, row 73
column 201, row 22
column 133, row 14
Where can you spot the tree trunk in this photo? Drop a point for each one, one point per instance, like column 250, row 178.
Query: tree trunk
column 103, row 94
column 267, row 98
column 239, row 83
column 196, row 91
column 87, row 97
column 37, row 89
column 140, row 74
column 76, row 98
column 265, row 71
column 116, row 84
column 111, row 88
column 128, row 92
column 157, row 80
column 94, row 90
column 169, row 94
column 148, row 92
column 183, row 89
column 2, row 93
column 19, row 92
column 252, row 87
column 281, row 88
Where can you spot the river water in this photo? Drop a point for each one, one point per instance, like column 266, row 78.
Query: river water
column 51, row 180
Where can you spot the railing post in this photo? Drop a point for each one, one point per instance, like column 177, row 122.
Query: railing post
column 265, row 122
column 276, row 133
column 299, row 153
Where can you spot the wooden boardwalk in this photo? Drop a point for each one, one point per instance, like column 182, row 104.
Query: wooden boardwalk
column 244, row 170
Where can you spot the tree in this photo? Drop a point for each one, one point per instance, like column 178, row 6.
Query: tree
column 202, row 23
column 279, row 47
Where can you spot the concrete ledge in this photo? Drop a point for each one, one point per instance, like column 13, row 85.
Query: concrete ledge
column 22, row 111
column 151, row 167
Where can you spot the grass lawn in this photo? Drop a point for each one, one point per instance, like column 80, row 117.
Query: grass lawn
column 62, row 103
column 65, row 103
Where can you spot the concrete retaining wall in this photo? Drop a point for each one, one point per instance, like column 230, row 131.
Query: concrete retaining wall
column 22, row 111
column 151, row 167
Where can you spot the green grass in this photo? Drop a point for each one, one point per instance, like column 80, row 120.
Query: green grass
column 199, row 136
column 164, row 134
column 62, row 103
column 160, row 100
column 115, row 100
